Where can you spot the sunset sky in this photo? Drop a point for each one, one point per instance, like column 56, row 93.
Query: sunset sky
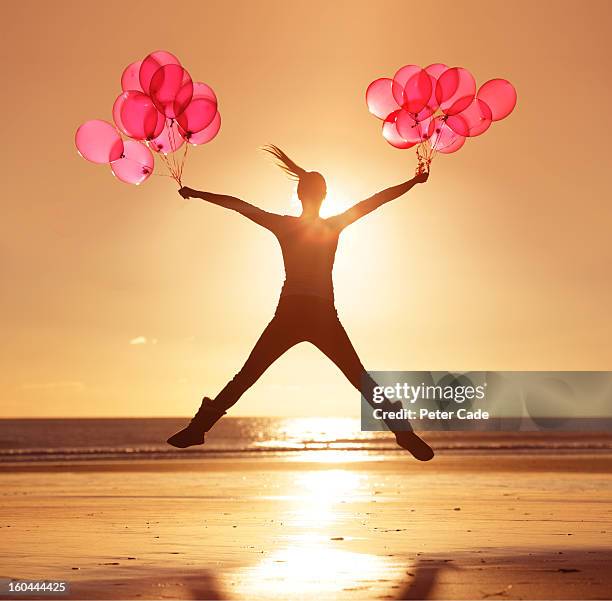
column 128, row 301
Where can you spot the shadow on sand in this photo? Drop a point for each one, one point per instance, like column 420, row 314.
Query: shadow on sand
column 481, row 574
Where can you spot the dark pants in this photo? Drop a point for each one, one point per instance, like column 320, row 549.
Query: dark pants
column 299, row 319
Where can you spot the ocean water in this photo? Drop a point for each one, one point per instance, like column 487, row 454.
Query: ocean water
column 25, row 440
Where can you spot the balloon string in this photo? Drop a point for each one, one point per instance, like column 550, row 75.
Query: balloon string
column 164, row 158
column 169, row 167
column 174, row 148
column 170, row 161
column 170, row 157
column 435, row 150
column 181, row 164
column 178, row 168
column 175, row 169
column 423, row 158
column 184, row 157
column 169, row 126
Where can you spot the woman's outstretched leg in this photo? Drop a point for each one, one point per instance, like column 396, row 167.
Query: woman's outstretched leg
column 276, row 339
column 335, row 343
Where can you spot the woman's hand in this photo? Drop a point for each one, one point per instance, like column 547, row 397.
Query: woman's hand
column 186, row 192
column 421, row 178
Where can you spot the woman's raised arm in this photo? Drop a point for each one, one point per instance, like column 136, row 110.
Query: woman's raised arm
column 370, row 204
column 250, row 211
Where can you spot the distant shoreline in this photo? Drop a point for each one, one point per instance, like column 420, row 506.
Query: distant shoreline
column 582, row 462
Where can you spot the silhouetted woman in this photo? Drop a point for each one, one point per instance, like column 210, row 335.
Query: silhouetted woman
column 305, row 309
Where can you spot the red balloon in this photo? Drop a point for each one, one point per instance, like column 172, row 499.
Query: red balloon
column 389, row 132
column 471, row 121
column 453, row 85
column 130, row 79
column 170, row 140
column 202, row 90
column 418, row 91
column 151, row 64
column 500, row 95
column 425, row 112
column 436, row 69
column 207, row 134
column 98, row 141
column 401, row 78
column 171, row 90
column 460, row 105
column 410, row 129
column 117, row 110
column 136, row 164
column 137, row 117
column 442, row 138
column 198, row 115
column 380, row 98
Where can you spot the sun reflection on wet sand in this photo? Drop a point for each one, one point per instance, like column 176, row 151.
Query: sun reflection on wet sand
column 312, row 562
column 306, row 570
column 320, row 494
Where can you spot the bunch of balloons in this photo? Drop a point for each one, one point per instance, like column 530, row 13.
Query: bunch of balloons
column 160, row 108
column 437, row 108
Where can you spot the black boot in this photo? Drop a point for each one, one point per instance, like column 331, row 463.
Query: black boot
column 417, row 446
column 206, row 417
column 405, row 436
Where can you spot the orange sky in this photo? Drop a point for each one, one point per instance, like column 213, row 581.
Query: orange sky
column 502, row 261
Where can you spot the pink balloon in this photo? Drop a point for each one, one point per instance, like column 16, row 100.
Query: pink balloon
column 436, row 69
column 98, row 141
column 418, row 91
column 455, row 84
column 136, row 164
column 410, row 129
column 136, row 116
column 171, row 90
column 207, row 134
column 401, row 78
column 170, row 140
column 197, row 115
column 389, row 132
column 117, row 109
column 130, row 79
column 442, row 138
column 460, row 105
column 380, row 98
column 500, row 95
column 151, row 64
column 432, row 104
column 202, row 90
column 471, row 121
column 425, row 112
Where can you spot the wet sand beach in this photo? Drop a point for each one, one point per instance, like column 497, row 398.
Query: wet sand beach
column 323, row 525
